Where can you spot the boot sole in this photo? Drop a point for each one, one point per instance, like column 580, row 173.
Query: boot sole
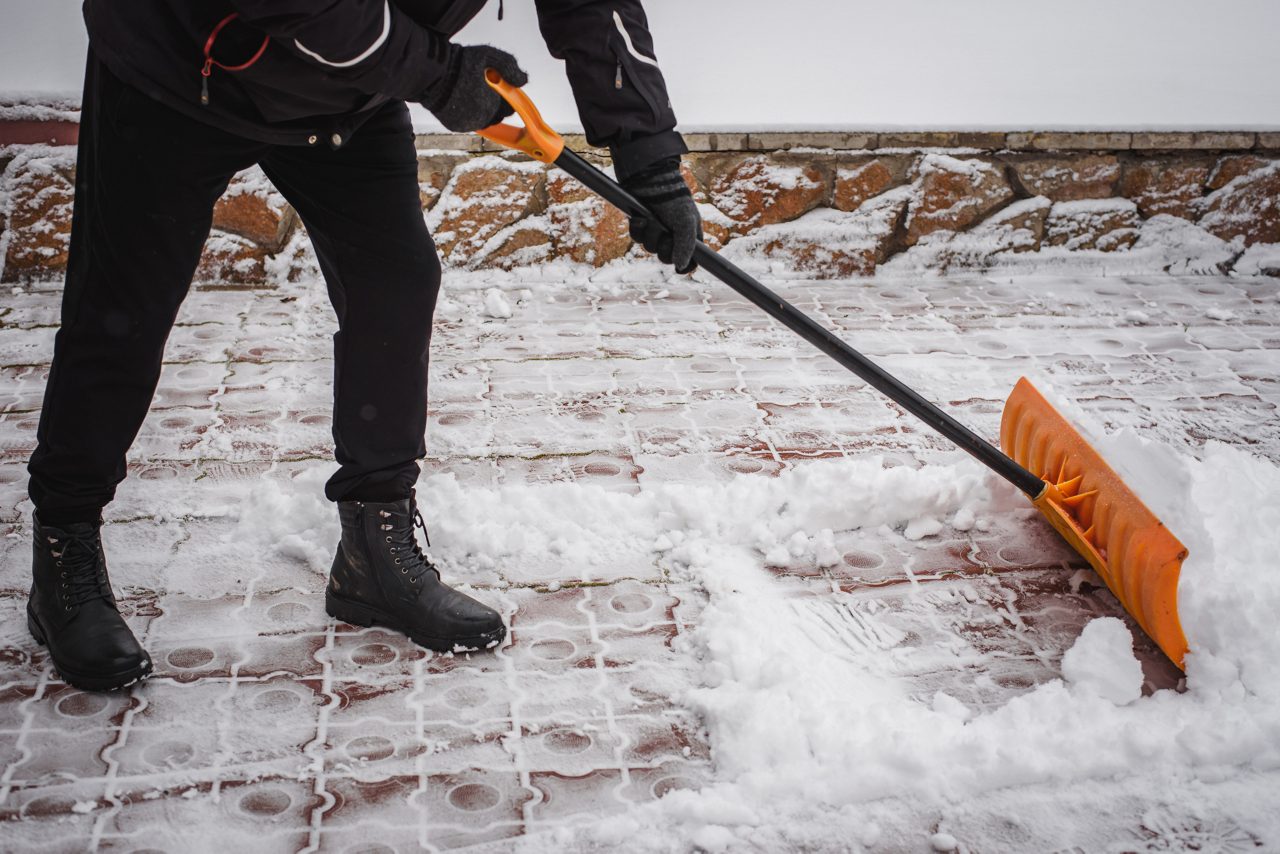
column 358, row 614
column 85, row 682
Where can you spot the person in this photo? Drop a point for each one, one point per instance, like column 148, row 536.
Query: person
column 180, row 96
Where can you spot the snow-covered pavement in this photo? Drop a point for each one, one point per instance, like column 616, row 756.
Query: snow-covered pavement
column 736, row 577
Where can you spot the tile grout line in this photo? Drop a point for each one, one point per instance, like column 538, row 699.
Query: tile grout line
column 320, row 781
column 420, row 729
column 620, row 739
column 113, row 769
column 6, row 781
column 511, row 679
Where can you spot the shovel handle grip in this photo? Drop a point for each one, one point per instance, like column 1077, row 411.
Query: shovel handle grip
column 536, row 138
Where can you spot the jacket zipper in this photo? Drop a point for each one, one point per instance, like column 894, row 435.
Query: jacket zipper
column 206, row 71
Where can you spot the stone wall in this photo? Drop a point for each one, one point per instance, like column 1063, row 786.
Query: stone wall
column 825, row 204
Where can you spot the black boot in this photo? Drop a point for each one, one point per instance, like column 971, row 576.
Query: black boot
column 381, row 577
column 73, row 611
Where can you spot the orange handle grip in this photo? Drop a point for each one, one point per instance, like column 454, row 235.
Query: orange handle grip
column 535, row 139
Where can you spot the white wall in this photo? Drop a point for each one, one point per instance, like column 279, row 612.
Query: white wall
column 42, row 45
column 836, row 63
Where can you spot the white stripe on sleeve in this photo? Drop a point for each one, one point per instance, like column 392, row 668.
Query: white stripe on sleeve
column 631, row 48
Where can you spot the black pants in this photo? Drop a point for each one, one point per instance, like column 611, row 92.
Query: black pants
column 146, row 182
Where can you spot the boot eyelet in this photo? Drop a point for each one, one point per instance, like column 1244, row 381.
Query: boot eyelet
column 59, row 563
column 388, row 539
column 397, row 561
column 67, row 608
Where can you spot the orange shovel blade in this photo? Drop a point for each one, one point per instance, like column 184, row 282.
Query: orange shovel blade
column 1101, row 517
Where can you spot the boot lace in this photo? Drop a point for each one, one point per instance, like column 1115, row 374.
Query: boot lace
column 402, row 542
column 82, row 576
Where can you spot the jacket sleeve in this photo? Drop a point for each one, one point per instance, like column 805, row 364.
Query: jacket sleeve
column 622, row 97
column 371, row 44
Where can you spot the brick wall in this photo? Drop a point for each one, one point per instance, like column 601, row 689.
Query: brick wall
column 828, row 204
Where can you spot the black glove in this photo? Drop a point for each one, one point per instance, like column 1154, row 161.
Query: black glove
column 462, row 100
column 676, row 227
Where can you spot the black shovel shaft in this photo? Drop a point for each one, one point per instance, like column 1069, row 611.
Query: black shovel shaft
column 819, row 336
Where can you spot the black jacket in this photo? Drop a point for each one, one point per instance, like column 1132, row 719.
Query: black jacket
column 308, row 72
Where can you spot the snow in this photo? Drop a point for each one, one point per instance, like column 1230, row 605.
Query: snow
column 38, row 107
column 1164, row 243
column 824, row 233
column 1225, row 508
column 1261, row 259
column 1102, row 662
column 945, row 164
column 1224, row 505
column 943, row 842
column 496, row 305
column 759, row 175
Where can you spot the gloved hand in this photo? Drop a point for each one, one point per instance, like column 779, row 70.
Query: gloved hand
column 676, row 227
column 462, row 100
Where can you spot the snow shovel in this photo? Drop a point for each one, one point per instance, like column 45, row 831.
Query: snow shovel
column 1044, row 455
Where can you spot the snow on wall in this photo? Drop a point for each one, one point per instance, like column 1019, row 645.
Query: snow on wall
column 830, row 214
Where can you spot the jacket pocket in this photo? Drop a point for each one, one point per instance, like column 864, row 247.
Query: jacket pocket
column 635, row 70
column 285, row 88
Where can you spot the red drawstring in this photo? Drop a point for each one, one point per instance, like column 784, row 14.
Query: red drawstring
column 210, row 62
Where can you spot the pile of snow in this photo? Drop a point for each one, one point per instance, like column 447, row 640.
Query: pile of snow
column 721, row 532
column 1102, row 662
column 1261, row 259
column 496, row 304
column 1225, row 508
column 1164, row 243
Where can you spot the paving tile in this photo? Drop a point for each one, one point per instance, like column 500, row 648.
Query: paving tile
column 469, row 807
column 557, row 696
column 271, row 814
column 454, row 749
column 371, row 655
column 562, row 796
